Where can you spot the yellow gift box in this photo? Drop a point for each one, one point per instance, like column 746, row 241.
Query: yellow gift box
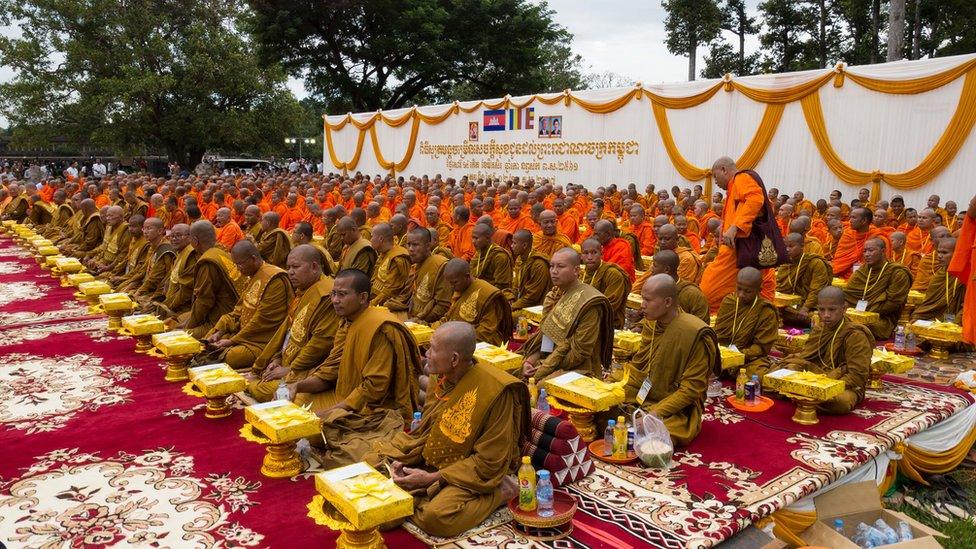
column 634, row 301
column 533, row 314
column 94, row 287
column 176, row 343
column 52, row 260
column 216, row 380
column 712, row 319
column 142, row 324
column 421, row 332
column 364, row 496
column 893, row 363
column 862, row 317
column 805, row 384
column 282, row 421
column 115, row 302
column 781, row 300
column 584, row 391
column 48, row 250
column 791, row 343
column 626, row 341
column 39, row 241
column 839, row 282
column 69, row 265
column 731, row 358
column 490, row 355
column 915, row 297
column 8, row 223
column 937, row 330
column 77, row 279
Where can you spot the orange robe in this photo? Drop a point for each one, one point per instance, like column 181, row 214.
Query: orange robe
column 102, row 200
column 523, row 221
column 229, row 234
column 291, row 218
column 646, row 237
column 743, row 202
column 569, row 226
column 961, row 267
column 704, row 222
column 460, row 242
column 208, row 210
column 694, row 240
column 618, row 251
column 915, row 240
column 850, row 249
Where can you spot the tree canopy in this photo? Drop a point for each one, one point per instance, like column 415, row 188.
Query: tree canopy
column 176, row 75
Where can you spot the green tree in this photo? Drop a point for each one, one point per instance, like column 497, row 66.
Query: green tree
column 173, row 75
column 722, row 59
column 689, row 24
column 736, row 19
column 800, row 35
column 358, row 55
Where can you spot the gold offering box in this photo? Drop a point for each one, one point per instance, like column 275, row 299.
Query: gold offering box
column 839, row 282
column 791, row 343
column 52, row 260
column 77, row 279
column 730, row 358
column 865, row 318
column 490, row 355
column 626, row 341
column 533, row 314
column 138, row 325
column 364, row 496
column 176, row 343
column 781, row 300
column 937, row 330
column 68, row 265
column 915, row 297
column 40, row 242
column 282, row 421
column 115, row 302
column 48, row 250
column 584, row 391
column 893, row 363
column 805, row 384
column 94, row 287
column 215, row 380
column 421, row 332
column 634, row 301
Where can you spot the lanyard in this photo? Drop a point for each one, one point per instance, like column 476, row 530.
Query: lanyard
column 832, row 340
column 736, row 316
column 481, row 262
column 796, row 275
column 867, row 283
column 954, row 289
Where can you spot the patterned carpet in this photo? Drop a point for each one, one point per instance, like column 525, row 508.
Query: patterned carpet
column 101, row 451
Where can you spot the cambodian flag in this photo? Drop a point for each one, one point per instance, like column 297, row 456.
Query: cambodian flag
column 494, row 121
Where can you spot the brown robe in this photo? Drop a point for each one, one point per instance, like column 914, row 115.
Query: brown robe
column 532, row 280
column 179, row 288
column 612, row 281
column 494, row 265
column 943, row 296
column 885, row 288
column 753, row 329
column 805, row 278
column 152, row 287
column 274, row 247
column 215, row 291
column 391, row 281
column 693, row 301
column 431, row 295
column 360, row 255
column 484, row 307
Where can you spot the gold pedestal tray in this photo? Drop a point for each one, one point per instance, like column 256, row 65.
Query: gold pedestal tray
column 143, row 341
column 874, row 376
column 806, row 409
column 940, row 347
column 176, row 365
column 282, row 460
column 324, row 514
column 217, row 407
column 581, row 418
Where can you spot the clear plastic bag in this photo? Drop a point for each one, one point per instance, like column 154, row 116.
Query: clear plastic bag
column 652, row 441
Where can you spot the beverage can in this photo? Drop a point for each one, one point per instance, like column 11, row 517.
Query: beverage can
column 750, row 392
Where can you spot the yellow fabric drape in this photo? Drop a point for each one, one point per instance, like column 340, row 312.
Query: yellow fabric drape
column 684, row 102
column 938, row 158
column 351, row 164
column 917, row 462
column 396, row 166
column 914, row 85
column 787, row 95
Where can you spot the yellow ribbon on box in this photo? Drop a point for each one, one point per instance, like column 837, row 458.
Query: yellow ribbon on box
column 289, row 417
column 217, row 375
column 808, row 377
column 369, row 486
column 947, row 326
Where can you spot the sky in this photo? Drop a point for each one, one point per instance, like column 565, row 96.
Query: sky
column 625, row 37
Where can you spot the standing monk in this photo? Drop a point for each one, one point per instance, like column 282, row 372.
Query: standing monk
column 745, row 200
column 962, row 267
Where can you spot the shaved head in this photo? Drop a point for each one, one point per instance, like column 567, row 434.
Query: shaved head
column 661, row 285
column 831, row 294
column 750, row 276
column 204, row 233
column 456, row 267
column 569, row 254
column 666, row 262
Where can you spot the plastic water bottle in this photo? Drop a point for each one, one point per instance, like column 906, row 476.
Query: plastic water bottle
column 543, row 403
column 608, row 437
column 910, row 341
column 755, row 381
column 904, row 531
column 839, row 527
column 900, row 338
column 889, row 533
column 543, row 494
column 868, row 537
column 415, row 424
column 281, row 393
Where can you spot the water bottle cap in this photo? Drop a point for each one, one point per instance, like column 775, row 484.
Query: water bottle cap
column 611, row 423
column 543, row 474
column 526, row 459
column 838, row 522
column 542, row 391
column 416, row 415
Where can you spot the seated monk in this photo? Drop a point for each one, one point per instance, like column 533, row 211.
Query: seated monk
column 252, row 222
column 491, row 263
column 850, row 247
column 803, row 276
column 137, row 255
column 239, row 336
column 357, row 252
column 713, row 240
column 215, row 281
column 41, row 213
column 303, row 234
column 459, row 462
column 179, row 284
column 811, row 245
column 373, row 368
column 677, row 356
column 615, row 249
column 532, row 280
column 114, row 242
column 690, row 297
column 152, row 284
column 576, row 334
column 879, row 286
column 63, row 212
column 16, row 209
column 902, row 255
column 838, row 349
column 275, row 242
column 944, row 296
column 747, row 322
column 927, row 262
column 608, row 279
column 689, row 266
column 306, row 336
column 549, row 240
column 478, row 303
column 228, row 231
column 430, row 294
column 391, row 281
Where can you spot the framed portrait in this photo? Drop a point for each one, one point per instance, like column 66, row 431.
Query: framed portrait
column 472, row 131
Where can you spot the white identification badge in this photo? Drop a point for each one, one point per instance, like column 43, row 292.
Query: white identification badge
column 644, row 390
column 547, row 344
column 949, row 317
column 862, row 305
column 732, row 347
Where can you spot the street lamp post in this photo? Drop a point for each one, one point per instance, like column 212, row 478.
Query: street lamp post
column 300, row 140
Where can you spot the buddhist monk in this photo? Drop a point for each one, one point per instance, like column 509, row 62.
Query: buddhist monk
column 576, row 333
column 179, row 285
column 430, row 294
column 391, row 280
column 16, row 209
column 306, row 337
column 303, row 234
column 374, row 365
column 435, row 221
column 460, row 241
column 40, row 214
column 357, row 252
column 743, row 204
column 643, row 230
column 689, row 265
column 275, row 242
column 252, row 223
column 215, row 282
column 691, row 299
column 228, row 231
column 838, row 349
column 850, row 248
column 608, row 278
column 549, row 240
column 944, row 296
column 615, row 249
column 531, row 280
column 516, row 218
column 152, row 286
column 478, row 303
column 460, row 460
column 927, row 263
column 748, row 323
column 566, row 220
column 961, row 267
column 133, row 265
column 63, row 212
column 241, row 335
column 677, row 356
column 804, row 276
column 114, row 241
column 879, row 286
column 491, row 263
column 901, row 254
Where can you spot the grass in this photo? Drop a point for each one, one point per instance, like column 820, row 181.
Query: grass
column 960, row 534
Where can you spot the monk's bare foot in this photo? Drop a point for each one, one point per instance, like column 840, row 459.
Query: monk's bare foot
column 509, row 487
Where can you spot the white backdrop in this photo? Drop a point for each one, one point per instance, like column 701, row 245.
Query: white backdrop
column 869, row 130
